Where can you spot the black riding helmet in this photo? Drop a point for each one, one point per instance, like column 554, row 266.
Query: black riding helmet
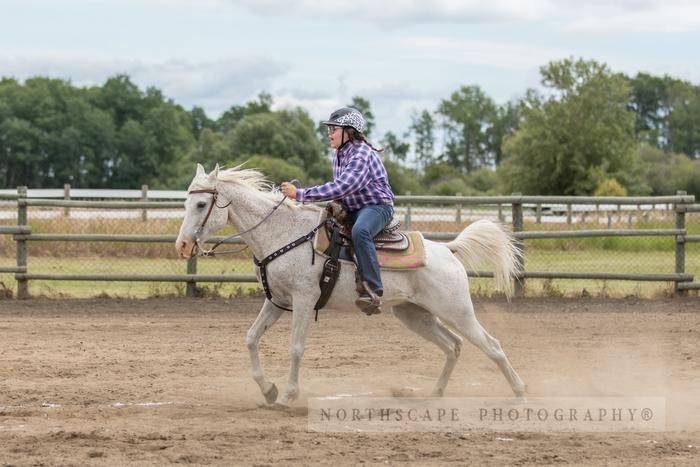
column 347, row 117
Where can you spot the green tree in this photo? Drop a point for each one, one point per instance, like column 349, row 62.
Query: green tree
column 684, row 119
column 668, row 172
column 210, row 149
column 151, row 146
column 284, row 134
column 610, row 187
column 445, row 180
column 423, row 131
column 469, row 115
column 394, row 149
column 651, row 103
column 505, row 123
column 236, row 113
column 483, row 181
column 50, row 134
column 402, row 179
column 120, row 97
column 363, row 106
column 580, row 135
column 200, row 122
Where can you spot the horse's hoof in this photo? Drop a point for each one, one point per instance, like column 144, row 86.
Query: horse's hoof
column 404, row 392
column 521, row 392
column 279, row 407
column 271, row 394
column 438, row 392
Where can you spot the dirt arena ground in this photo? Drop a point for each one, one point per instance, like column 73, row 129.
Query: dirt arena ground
column 118, row 382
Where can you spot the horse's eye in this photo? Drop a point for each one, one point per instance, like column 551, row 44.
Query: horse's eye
column 201, row 204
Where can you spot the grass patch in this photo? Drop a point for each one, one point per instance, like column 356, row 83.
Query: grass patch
column 608, row 254
column 535, row 260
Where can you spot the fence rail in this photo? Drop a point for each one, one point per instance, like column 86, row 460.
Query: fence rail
column 681, row 205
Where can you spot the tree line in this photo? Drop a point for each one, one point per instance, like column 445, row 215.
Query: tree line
column 589, row 130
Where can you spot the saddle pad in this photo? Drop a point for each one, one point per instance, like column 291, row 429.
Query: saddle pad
column 412, row 257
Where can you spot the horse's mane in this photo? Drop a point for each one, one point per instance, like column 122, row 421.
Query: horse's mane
column 249, row 177
column 256, row 180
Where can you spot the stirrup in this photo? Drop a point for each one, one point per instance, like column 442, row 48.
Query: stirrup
column 369, row 302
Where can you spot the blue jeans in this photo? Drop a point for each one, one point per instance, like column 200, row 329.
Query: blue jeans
column 368, row 222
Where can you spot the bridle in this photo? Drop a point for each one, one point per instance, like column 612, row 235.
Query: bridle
column 200, row 229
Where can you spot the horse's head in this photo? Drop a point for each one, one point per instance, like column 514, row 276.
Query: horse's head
column 204, row 213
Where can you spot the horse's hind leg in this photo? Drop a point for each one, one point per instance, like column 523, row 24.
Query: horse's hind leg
column 266, row 318
column 426, row 325
column 467, row 325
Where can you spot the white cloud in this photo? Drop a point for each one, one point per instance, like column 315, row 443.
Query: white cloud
column 504, row 55
column 402, row 11
column 214, row 85
column 671, row 17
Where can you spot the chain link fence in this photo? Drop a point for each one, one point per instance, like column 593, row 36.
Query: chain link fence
column 605, row 254
column 439, row 219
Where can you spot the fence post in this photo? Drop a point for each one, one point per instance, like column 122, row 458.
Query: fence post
column 192, row 269
column 407, row 220
column 144, row 198
column 458, row 219
column 680, row 242
column 66, row 196
column 538, row 213
column 568, row 213
column 520, row 258
column 22, row 284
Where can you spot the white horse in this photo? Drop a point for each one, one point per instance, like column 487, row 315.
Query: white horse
column 432, row 301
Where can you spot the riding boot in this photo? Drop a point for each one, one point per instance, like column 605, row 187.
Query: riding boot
column 369, row 301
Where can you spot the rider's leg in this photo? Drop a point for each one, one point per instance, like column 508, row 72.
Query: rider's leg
column 369, row 221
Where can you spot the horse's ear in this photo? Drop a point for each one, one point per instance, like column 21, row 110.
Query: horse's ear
column 200, row 170
column 213, row 175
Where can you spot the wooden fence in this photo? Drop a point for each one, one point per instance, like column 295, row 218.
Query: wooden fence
column 681, row 205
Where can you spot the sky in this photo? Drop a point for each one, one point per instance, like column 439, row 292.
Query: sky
column 404, row 56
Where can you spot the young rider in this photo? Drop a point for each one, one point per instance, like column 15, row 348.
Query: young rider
column 361, row 183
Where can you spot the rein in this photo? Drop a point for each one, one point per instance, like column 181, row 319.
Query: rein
column 210, row 252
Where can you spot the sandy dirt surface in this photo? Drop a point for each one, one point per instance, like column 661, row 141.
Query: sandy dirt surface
column 160, row 381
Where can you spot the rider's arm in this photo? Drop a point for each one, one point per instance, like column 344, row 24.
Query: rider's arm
column 354, row 177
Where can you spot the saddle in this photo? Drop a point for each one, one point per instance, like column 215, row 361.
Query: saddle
column 389, row 239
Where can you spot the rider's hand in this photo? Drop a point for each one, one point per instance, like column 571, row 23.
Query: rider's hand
column 289, row 190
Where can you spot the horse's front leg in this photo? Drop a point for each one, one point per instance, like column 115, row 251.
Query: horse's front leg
column 266, row 318
column 301, row 318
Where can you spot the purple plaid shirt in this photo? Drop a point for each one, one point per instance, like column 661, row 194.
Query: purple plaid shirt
column 359, row 179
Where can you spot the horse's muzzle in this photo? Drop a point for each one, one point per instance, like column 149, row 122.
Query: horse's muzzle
column 185, row 249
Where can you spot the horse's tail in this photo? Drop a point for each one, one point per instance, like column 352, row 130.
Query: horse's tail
column 485, row 240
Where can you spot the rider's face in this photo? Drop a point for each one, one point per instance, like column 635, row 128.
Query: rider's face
column 335, row 136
